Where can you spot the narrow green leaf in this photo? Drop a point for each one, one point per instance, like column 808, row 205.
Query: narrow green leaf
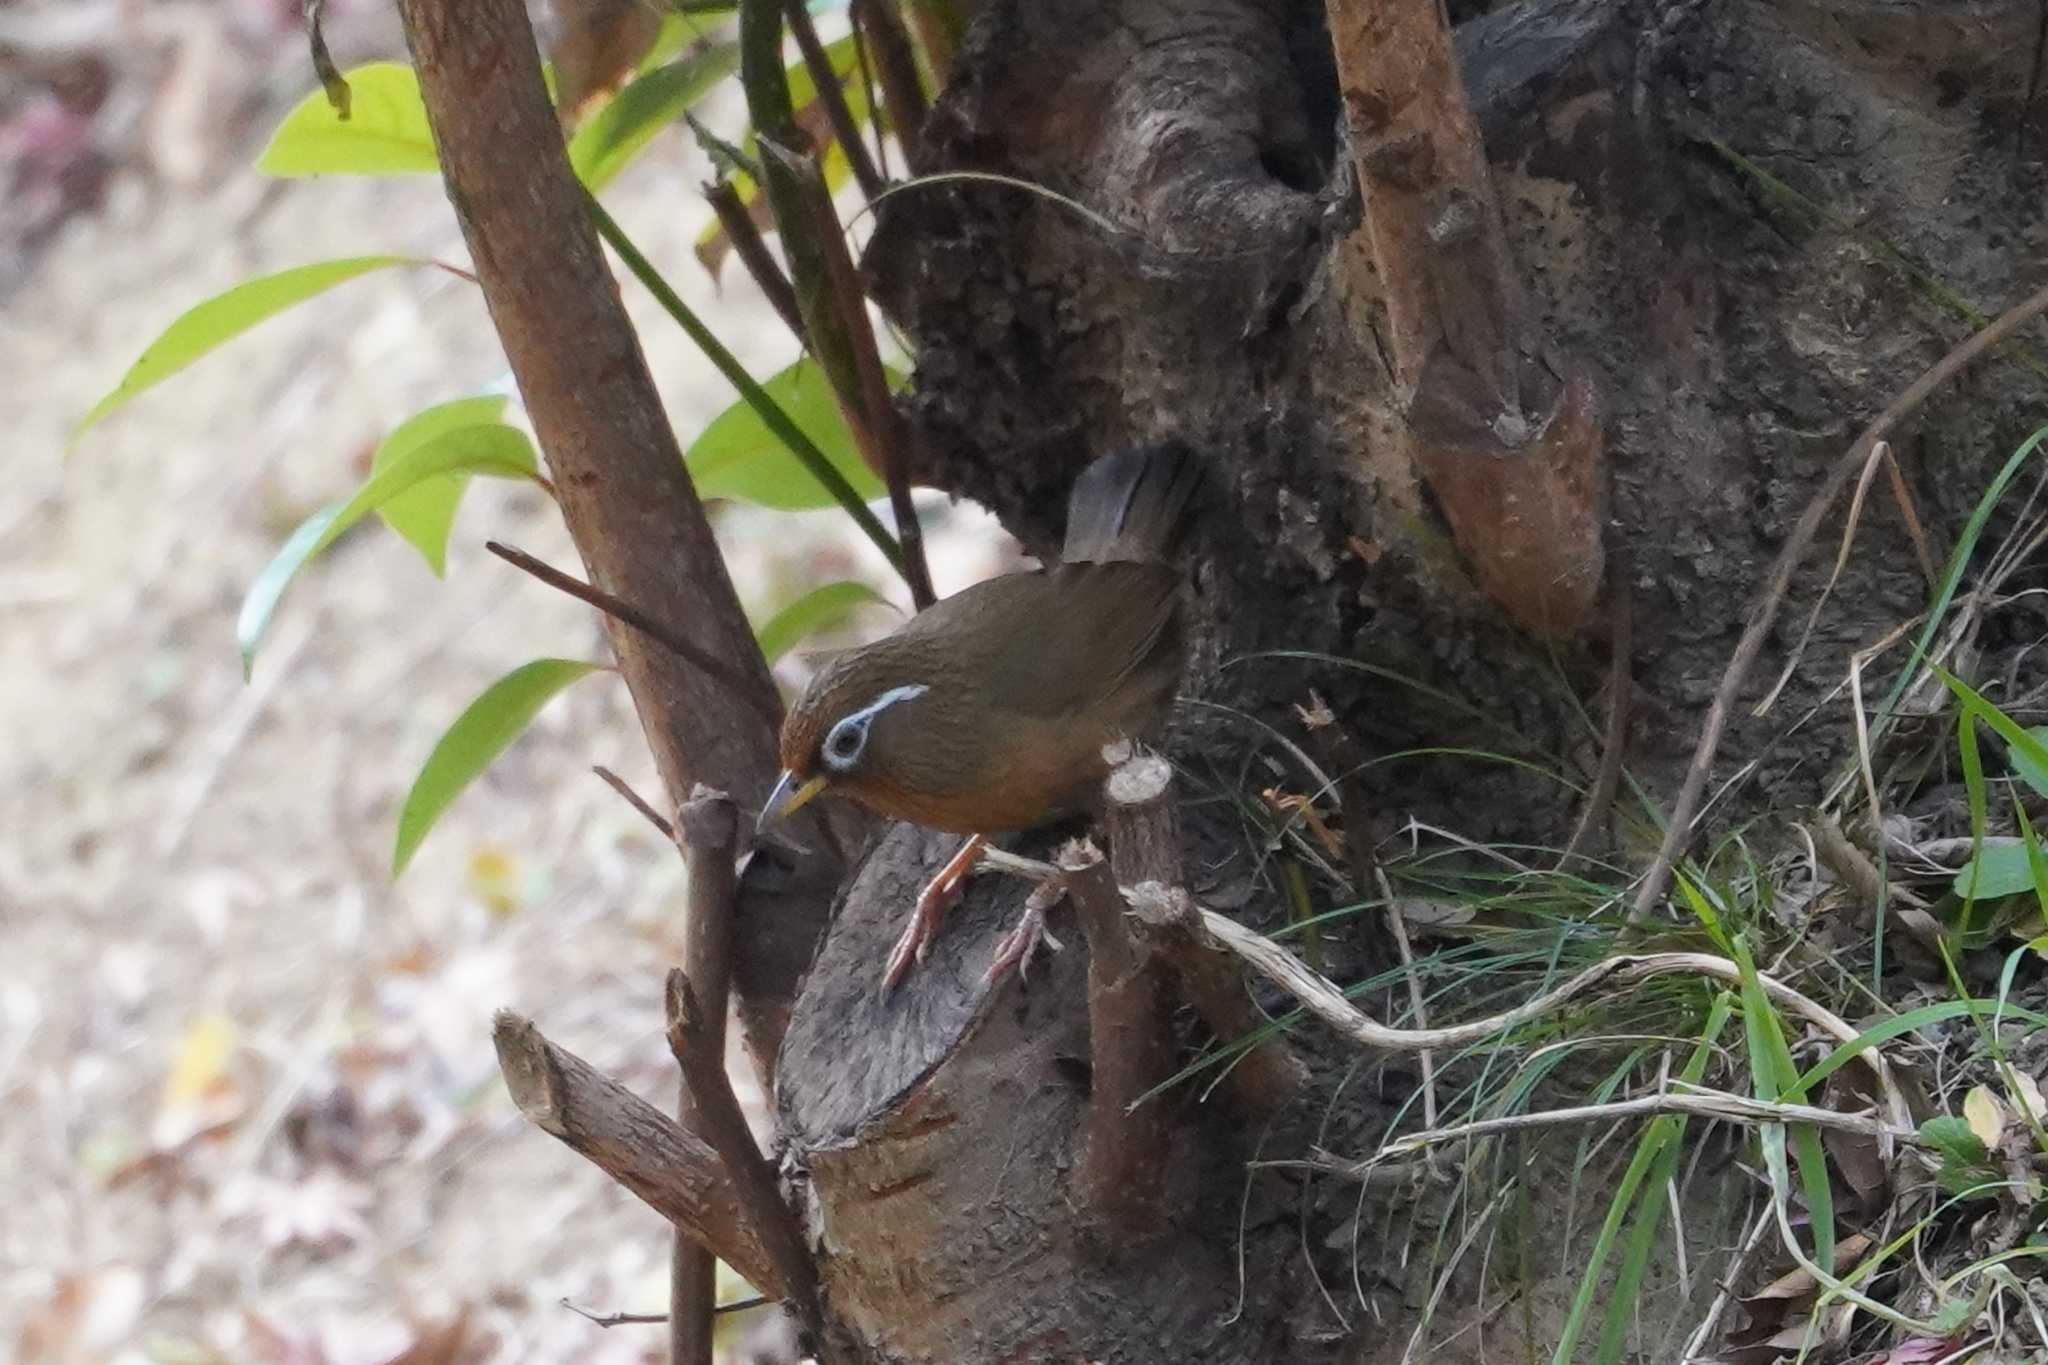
column 385, row 133
column 424, row 513
column 1879, row 1034
column 1973, row 789
column 1958, row 561
column 224, row 317
column 739, row 457
column 2022, row 742
column 816, row 610
column 611, row 138
column 1666, row 1135
column 1659, row 1135
column 477, row 737
column 2024, row 767
column 487, row 448
column 1776, row 1077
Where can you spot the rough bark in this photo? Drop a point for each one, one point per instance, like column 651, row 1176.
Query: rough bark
column 1740, row 343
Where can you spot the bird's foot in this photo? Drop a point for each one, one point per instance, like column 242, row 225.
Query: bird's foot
column 940, row 894
column 1022, row 943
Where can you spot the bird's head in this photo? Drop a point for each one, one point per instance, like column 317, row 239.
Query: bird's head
column 853, row 728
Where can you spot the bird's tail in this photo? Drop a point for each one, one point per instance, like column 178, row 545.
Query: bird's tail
column 1131, row 505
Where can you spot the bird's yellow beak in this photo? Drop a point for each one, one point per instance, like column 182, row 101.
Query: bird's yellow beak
column 788, row 797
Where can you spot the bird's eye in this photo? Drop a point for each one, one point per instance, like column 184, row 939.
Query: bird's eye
column 843, row 745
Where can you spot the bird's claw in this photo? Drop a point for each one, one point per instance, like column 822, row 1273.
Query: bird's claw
column 1022, row 943
column 940, row 894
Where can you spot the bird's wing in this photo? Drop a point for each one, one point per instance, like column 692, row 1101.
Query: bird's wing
column 1084, row 633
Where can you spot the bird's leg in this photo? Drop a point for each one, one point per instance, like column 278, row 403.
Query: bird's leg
column 938, row 896
column 1021, row 944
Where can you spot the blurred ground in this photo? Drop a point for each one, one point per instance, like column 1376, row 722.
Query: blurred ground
column 252, row 1109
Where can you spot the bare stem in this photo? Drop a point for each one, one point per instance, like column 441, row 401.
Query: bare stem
column 747, row 244
column 896, row 67
column 1130, row 1048
column 619, row 609
column 717, row 1114
column 709, row 826
column 832, row 95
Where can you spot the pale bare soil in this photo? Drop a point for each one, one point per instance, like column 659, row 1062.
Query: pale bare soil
column 251, row 1109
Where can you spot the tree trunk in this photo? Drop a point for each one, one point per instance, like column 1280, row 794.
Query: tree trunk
column 1733, row 341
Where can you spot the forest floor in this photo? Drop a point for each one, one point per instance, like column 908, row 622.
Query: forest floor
column 254, row 1113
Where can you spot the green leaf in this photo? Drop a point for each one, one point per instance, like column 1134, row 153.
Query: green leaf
column 477, row 737
column 738, row 457
column 818, row 609
column 1965, row 1161
column 612, row 137
column 1998, row 870
column 224, row 317
column 1775, row 1076
column 2024, row 766
column 485, row 448
column 386, row 132
column 424, row 513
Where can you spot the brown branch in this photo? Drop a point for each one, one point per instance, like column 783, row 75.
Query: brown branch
column 938, row 32
column 619, row 609
column 877, row 426
column 832, row 95
column 636, row 801
column 745, row 235
column 1130, row 1049
column 709, row 826
column 896, row 66
column 1458, row 335
column 1144, row 849
column 677, row 1174
column 1678, row 833
column 610, row 448
column 718, row 1116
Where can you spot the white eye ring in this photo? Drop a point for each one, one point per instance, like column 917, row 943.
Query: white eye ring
column 848, row 740
column 843, row 746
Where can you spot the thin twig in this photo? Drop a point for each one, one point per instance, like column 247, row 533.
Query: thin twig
column 752, row 1180
column 877, row 426
column 1322, row 999
column 1426, row 1058
column 1678, row 834
column 709, row 824
column 1724, row 1294
column 638, row 1319
column 636, row 801
column 1699, row 1103
column 867, row 87
column 896, row 66
column 620, row 610
column 825, row 81
column 745, row 235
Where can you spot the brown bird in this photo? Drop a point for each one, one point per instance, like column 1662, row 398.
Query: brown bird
column 987, row 712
